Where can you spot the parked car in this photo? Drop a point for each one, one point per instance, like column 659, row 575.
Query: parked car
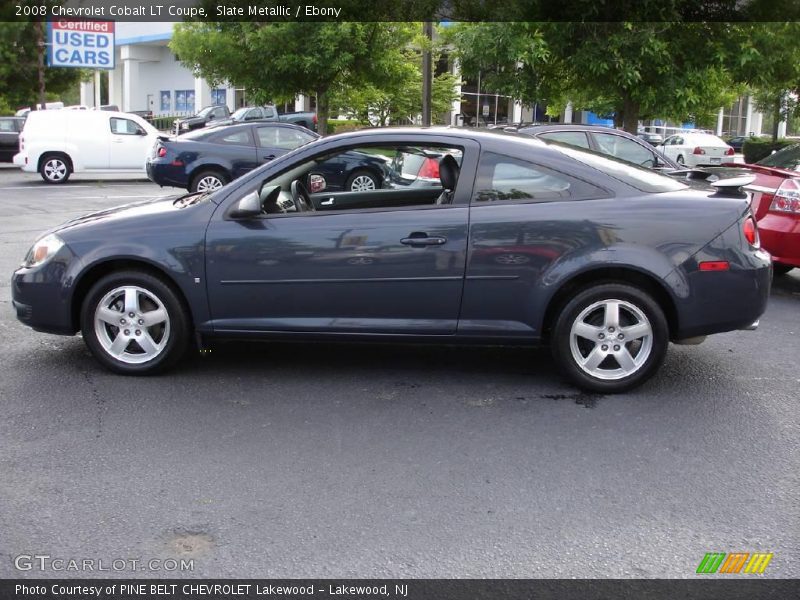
column 605, row 140
column 24, row 112
column 206, row 115
column 268, row 113
column 10, row 128
column 618, row 271
column 207, row 159
column 696, row 149
column 57, row 143
column 737, row 143
column 776, row 203
column 654, row 139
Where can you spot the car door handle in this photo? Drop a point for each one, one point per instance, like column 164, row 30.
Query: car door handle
column 327, row 202
column 118, row 140
column 269, row 157
column 419, row 239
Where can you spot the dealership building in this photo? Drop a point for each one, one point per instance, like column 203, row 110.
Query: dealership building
column 147, row 76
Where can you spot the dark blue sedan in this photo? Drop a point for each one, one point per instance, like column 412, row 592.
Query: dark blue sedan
column 523, row 242
column 206, row 159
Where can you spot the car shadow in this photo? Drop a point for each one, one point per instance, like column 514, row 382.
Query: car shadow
column 787, row 285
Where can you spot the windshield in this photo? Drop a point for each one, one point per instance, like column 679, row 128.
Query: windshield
column 240, row 113
column 641, row 178
column 787, row 158
column 205, row 111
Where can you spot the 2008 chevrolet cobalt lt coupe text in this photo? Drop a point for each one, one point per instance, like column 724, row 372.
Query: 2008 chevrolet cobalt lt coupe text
column 524, row 242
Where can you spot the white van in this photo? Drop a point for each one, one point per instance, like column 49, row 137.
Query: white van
column 57, row 143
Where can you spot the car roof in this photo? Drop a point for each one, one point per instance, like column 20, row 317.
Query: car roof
column 545, row 127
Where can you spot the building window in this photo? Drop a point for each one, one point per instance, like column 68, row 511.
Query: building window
column 166, row 101
column 184, row 100
column 218, row 96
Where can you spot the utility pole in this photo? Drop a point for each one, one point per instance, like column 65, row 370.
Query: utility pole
column 40, row 46
column 427, row 73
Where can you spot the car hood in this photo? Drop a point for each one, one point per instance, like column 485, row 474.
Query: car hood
column 131, row 216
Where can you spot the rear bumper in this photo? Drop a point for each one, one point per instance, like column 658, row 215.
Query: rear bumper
column 167, row 174
column 726, row 300
column 780, row 236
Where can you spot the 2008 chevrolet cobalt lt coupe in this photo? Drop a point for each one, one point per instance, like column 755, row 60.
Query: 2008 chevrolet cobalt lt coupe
column 524, row 242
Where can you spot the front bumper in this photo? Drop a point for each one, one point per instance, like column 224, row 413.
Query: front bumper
column 41, row 296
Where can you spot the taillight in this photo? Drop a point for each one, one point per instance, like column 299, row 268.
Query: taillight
column 730, row 151
column 21, row 142
column 787, row 198
column 698, row 150
column 750, row 231
column 314, row 118
column 429, row 169
column 162, row 152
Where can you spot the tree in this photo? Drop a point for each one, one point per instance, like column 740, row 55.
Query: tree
column 398, row 97
column 637, row 70
column 279, row 60
column 19, row 85
column 768, row 61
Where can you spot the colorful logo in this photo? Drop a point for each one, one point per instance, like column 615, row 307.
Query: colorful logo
column 719, row 562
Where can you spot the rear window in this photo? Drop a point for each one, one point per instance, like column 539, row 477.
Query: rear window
column 641, row 178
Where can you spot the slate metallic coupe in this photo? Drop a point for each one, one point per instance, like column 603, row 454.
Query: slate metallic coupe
column 610, row 263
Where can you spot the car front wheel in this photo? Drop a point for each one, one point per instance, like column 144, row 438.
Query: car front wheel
column 610, row 338
column 134, row 323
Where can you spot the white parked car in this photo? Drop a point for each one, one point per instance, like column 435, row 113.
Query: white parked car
column 57, row 143
column 696, row 149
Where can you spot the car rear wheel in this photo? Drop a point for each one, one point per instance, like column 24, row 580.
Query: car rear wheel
column 610, row 338
column 134, row 323
column 55, row 168
column 781, row 269
column 208, row 181
column 680, row 161
column 362, row 181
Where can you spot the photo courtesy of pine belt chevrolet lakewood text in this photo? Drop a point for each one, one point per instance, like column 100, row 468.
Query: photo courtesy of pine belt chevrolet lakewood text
column 466, row 237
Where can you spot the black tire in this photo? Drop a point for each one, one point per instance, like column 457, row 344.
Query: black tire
column 632, row 297
column 779, row 269
column 362, row 173
column 174, row 335
column 206, row 175
column 55, row 167
column 680, row 161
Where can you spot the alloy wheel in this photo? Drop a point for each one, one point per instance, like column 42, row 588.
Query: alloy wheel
column 611, row 339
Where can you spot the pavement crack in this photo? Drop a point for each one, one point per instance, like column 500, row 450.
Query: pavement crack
column 99, row 402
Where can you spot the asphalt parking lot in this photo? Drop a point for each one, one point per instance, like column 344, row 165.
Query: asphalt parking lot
column 289, row 460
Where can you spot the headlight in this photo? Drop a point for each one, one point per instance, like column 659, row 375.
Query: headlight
column 43, row 250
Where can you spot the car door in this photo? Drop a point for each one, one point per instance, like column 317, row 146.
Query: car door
column 392, row 270
column 129, row 144
column 236, row 147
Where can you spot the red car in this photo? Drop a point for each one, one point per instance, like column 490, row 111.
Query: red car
column 776, row 205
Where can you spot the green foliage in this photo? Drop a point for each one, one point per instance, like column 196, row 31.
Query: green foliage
column 163, row 123
column 755, row 149
column 19, row 85
column 342, row 125
column 278, row 60
column 637, row 70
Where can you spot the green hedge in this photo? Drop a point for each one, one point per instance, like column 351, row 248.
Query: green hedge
column 757, row 148
column 163, row 123
column 342, row 125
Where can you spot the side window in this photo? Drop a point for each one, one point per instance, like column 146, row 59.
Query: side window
column 678, row 141
column 269, row 112
column 7, row 125
column 242, row 137
column 254, row 114
column 502, row 178
column 624, row 149
column 574, row 138
column 219, row 113
column 267, row 137
column 124, row 127
column 291, row 138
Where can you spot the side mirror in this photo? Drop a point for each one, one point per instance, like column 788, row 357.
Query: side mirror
column 249, row 206
column 316, row 183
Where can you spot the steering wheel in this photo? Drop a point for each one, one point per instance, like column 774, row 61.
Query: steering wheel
column 301, row 197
